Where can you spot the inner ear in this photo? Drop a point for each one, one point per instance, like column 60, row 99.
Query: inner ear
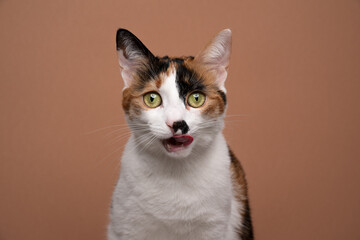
column 132, row 55
column 216, row 56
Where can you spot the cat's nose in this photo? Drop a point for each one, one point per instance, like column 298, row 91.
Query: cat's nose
column 180, row 125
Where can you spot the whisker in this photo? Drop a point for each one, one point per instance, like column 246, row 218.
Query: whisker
column 140, row 141
column 148, row 143
column 118, row 139
column 108, row 155
column 104, row 128
column 236, row 115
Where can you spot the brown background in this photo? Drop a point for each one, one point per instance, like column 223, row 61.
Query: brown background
column 294, row 85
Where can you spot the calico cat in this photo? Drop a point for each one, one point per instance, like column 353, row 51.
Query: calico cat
column 179, row 180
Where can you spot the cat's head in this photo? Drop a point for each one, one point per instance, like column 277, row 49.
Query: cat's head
column 174, row 106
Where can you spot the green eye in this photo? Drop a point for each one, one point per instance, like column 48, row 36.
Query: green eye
column 196, row 99
column 152, row 99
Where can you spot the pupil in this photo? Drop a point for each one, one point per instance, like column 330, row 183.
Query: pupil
column 196, row 96
column 152, row 97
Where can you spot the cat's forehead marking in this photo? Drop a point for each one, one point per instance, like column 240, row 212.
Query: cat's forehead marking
column 169, row 89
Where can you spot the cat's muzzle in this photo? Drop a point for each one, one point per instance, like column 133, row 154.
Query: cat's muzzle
column 177, row 142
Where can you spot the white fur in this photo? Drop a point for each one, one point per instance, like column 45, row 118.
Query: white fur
column 174, row 196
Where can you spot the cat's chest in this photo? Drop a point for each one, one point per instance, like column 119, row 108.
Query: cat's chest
column 178, row 190
column 188, row 197
column 166, row 206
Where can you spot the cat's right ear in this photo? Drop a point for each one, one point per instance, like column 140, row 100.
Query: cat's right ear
column 132, row 55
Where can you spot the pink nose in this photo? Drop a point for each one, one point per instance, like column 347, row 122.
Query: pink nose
column 169, row 123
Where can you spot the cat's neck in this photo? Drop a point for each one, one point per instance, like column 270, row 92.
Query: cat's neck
column 161, row 164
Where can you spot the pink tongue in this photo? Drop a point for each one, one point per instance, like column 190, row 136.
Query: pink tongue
column 182, row 139
column 177, row 142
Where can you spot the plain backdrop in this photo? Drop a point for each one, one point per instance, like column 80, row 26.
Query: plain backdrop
column 294, row 109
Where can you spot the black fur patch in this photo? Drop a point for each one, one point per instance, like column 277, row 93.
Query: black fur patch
column 182, row 125
column 247, row 229
column 187, row 81
column 223, row 96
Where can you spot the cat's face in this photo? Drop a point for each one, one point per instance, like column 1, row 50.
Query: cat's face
column 174, row 106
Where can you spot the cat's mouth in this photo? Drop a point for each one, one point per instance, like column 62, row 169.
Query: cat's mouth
column 177, row 142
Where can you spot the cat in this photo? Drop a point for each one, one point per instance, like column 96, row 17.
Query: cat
column 178, row 180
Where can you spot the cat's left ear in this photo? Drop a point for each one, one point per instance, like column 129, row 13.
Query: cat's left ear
column 216, row 55
column 132, row 55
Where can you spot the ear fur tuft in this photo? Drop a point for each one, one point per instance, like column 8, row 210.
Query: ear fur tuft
column 216, row 55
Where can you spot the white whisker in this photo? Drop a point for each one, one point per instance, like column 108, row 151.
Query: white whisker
column 104, row 128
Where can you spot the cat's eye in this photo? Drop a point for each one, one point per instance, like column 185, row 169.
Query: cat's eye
column 196, row 99
column 152, row 99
